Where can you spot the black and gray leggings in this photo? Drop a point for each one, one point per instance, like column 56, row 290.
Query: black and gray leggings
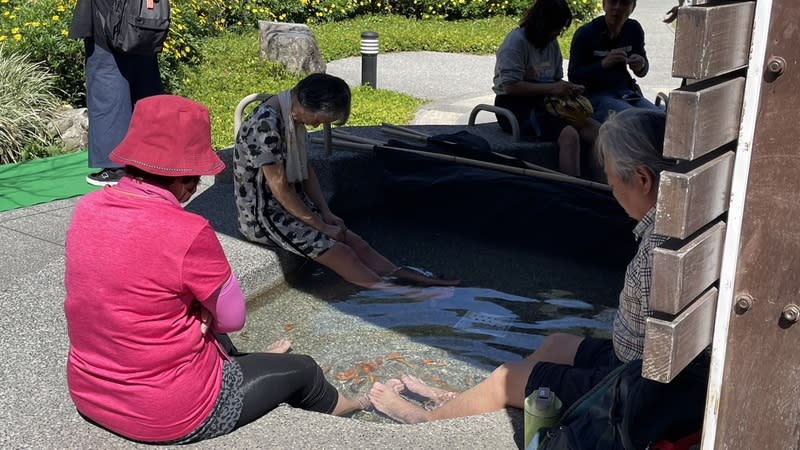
column 270, row 379
column 254, row 384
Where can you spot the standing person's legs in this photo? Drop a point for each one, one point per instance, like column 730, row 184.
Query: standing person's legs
column 143, row 75
column 109, row 104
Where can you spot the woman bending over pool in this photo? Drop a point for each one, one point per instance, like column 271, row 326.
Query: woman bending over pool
column 278, row 196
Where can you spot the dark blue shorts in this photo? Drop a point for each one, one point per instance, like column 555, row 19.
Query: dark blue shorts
column 594, row 360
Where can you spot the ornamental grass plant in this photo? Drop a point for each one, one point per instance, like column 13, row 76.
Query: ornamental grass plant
column 27, row 96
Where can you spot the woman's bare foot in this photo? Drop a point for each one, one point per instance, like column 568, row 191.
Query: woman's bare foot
column 395, row 384
column 346, row 405
column 279, row 346
column 438, row 396
column 389, row 402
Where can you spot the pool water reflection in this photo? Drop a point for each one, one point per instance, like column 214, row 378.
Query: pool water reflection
column 448, row 337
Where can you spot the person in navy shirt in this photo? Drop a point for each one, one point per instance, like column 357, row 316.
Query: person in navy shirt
column 602, row 51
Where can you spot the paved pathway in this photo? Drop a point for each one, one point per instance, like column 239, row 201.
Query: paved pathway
column 454, row 83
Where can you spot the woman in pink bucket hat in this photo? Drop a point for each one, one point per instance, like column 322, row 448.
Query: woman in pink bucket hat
column 150, row 296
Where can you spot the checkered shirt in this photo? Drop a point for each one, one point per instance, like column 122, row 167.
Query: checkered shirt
column 634, row 300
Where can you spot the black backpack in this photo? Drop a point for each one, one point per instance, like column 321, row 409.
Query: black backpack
column 627, row 411
column 138, row 27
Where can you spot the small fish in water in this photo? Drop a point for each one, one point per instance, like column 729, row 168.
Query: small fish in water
column 288, row 327
column 394, row 356
column 469, row 381
column 378, row 362
column 326, row 368
column 366, row 366
column 347, row 375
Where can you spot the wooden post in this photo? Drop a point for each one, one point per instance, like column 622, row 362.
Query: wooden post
column 753, row 391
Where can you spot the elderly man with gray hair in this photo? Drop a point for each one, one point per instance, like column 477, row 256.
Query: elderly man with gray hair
column 629, row 146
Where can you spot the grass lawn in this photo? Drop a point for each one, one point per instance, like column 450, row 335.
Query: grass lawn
column 232, row 69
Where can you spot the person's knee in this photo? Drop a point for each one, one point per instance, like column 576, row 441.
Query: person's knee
column 569, row 135
column 498, row 381
column 559, row 348
column 356, row 242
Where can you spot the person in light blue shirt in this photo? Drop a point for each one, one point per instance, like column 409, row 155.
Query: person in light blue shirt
column 529, row 68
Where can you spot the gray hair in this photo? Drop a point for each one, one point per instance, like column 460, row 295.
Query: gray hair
column 633, row 138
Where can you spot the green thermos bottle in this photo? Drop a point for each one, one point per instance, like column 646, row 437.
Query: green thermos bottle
column 542, row 410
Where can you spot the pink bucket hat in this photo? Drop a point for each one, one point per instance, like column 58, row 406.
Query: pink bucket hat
column 169, row 136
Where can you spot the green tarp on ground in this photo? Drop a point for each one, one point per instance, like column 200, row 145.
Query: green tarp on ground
column 44, row 180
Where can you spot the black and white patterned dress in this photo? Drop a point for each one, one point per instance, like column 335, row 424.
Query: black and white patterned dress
column 262, row 218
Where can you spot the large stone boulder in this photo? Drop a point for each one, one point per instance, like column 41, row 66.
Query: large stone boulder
column 72, row 126
column 291, row 44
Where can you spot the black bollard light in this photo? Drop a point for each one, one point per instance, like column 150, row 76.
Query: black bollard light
column 369, row 58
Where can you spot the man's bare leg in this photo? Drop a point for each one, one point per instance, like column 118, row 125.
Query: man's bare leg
column 504, row 387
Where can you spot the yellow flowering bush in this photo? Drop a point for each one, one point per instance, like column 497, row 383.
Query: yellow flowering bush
column 320, row 11
column 38, row 29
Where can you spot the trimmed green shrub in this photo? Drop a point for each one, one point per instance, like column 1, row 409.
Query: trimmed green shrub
column 29, row 104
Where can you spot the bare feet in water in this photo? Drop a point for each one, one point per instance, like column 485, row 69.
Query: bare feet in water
column 395, row 384
column 279, row 346
column 437, row 396
column 385, row 399
column 414, row 292
column 421, row 277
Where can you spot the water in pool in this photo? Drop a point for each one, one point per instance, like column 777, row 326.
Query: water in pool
column 449, row 337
